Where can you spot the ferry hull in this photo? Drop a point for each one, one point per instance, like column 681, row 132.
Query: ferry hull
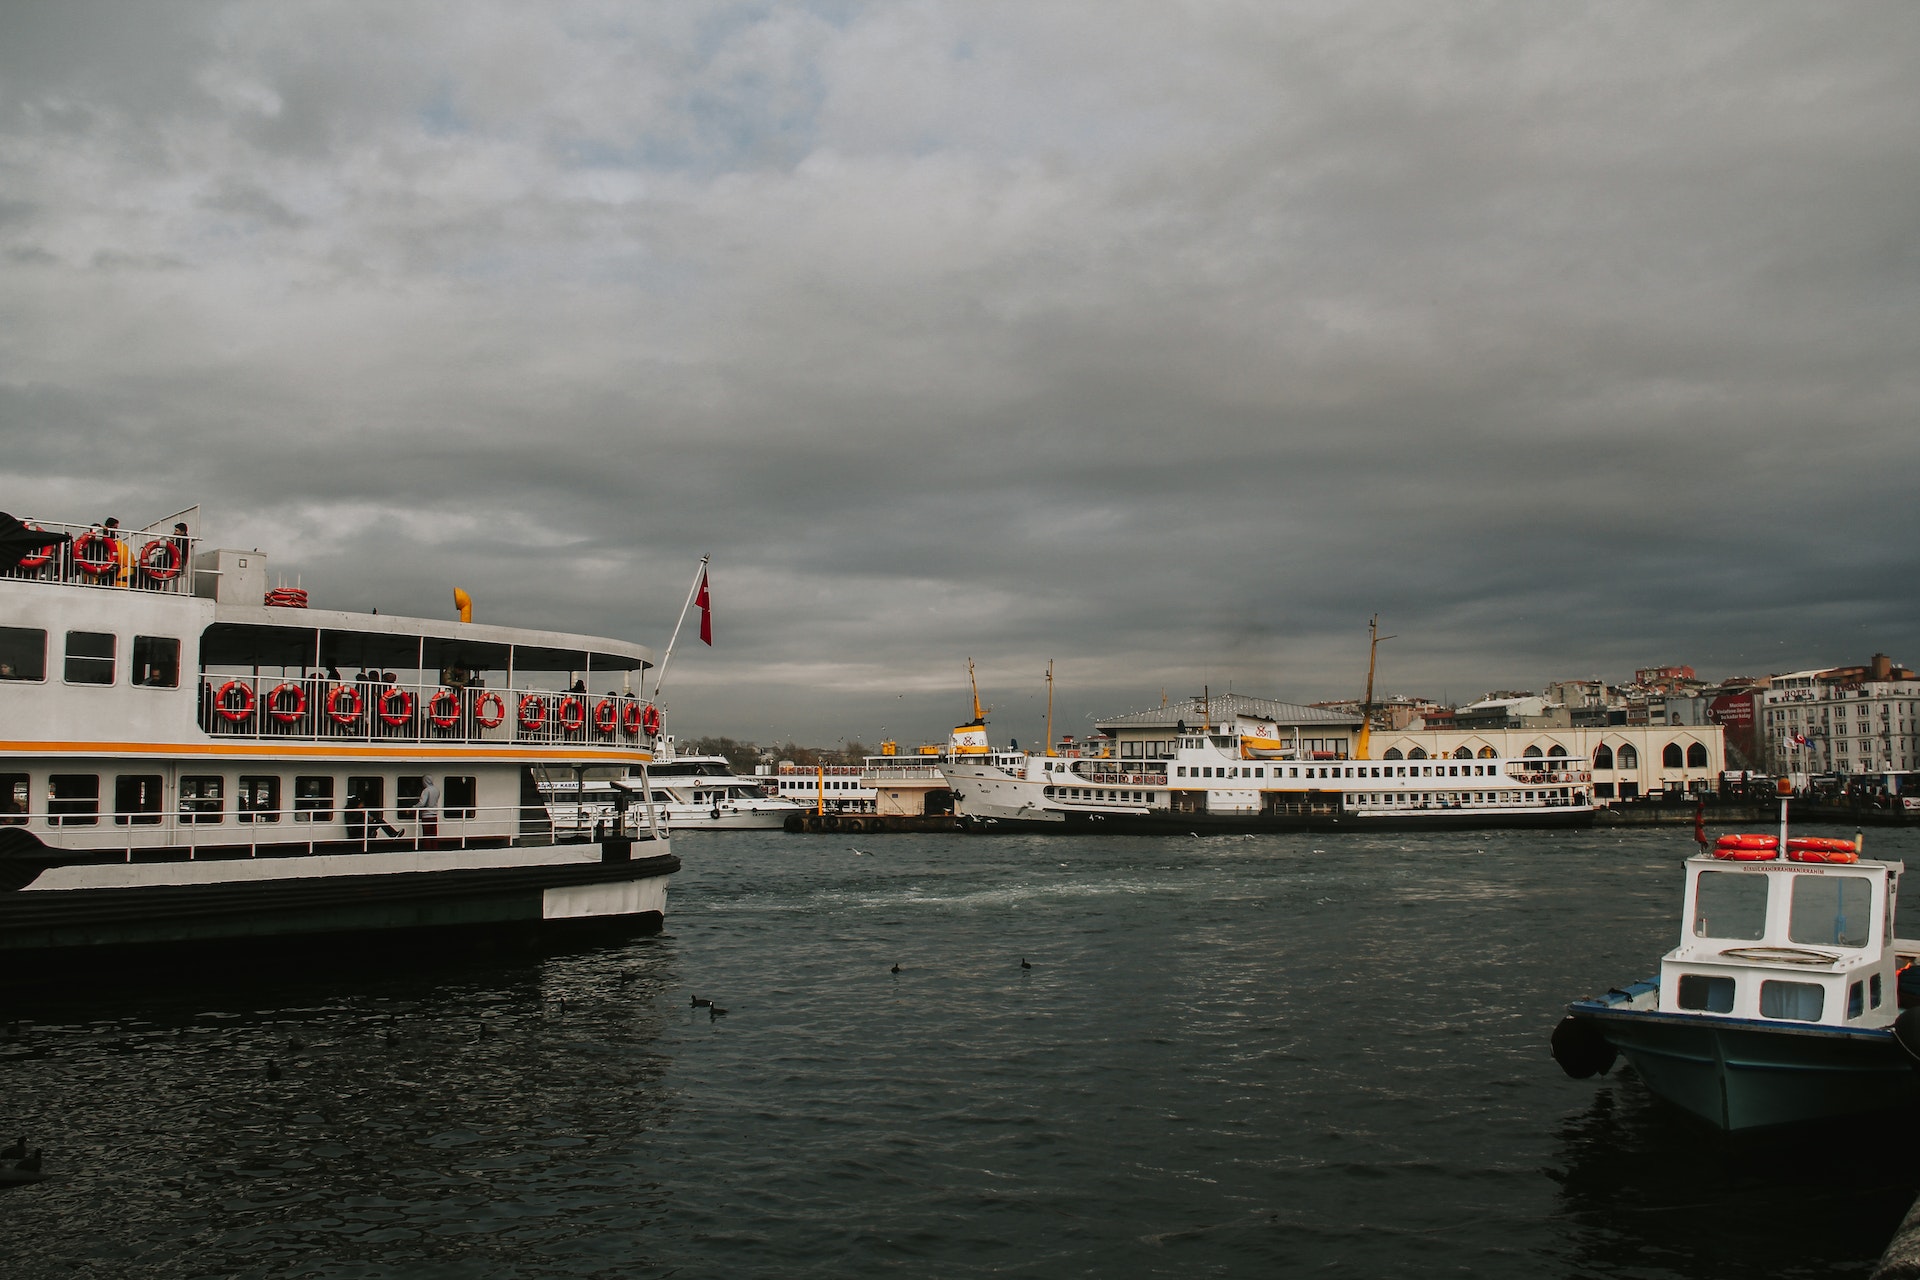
column 96, row 915
column 1167, row 822
column 1738, row 1074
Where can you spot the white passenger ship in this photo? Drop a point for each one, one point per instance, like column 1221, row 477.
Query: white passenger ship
column 691, row 792
column 1239, row 769
column 189, row 760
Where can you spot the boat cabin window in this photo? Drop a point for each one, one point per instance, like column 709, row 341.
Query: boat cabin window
column 459, row 797
column 156, row 662
column 136, row 799
column 1728, row 904
column 407, row 796
column 258, row 798
column 13, row 799
column 1832, row 911
column 73, row 799
column 1712, row 994
column 1855, row 1004
column 1792, row 1001
column 313, row 799
column 202, row 798
column 23, row 653
column 90, row 657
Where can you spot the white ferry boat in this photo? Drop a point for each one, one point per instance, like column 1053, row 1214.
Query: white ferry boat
column 193, row 759
column 691, row 793
column 1781, row 1003
column 1237, row 767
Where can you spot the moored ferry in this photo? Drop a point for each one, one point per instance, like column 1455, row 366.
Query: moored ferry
column 693, row 793
column 1233, row 776
column 193, row 757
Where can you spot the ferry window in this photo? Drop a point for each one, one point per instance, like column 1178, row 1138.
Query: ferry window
column 257, row 799
column 1831, row 910
column 90, row 657
column 1793, row 1001
column 73, row 799
column 407, row 796
column 460, row 796
column 136, row 799
column 13, row 799
column 313, row 799
column 1730, row 904
column 23, row 653
column 156, row 662
column 202, row 799
column 1698, row 991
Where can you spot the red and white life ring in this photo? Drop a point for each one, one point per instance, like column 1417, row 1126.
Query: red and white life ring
column 87, row 542
column 230, row 713
column 571, row 713
column 650, row 720
column 391, row 717
column 533, row 712
column 489, row 719
column 630, row 719
column 1821, row 849
column 1746, row 848
column 287, row 715
column 606, row 717
column 164, row 566
column 348, row 716
column 449, row 717
column 36, row 559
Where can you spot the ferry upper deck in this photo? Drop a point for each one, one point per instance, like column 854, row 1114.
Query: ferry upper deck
column 113, row 644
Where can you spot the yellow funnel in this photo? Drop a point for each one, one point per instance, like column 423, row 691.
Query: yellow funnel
column 463, row 602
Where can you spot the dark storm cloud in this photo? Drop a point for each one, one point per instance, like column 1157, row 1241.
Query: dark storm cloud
column 1169, row 344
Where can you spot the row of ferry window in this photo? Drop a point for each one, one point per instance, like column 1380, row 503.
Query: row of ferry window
column 139, row 799
column 91, row 657
column 1786, row 1001
column 1339, row 771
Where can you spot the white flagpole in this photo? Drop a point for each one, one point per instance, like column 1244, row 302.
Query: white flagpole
column 699, row 575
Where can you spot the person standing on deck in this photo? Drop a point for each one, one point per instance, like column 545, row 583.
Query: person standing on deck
column 428, row 808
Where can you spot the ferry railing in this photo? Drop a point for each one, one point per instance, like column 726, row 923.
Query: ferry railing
column 101, row 835
column 120, row 559
column 362, row 709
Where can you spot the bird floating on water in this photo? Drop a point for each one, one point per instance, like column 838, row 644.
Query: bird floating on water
column 700, row 1002
column 857, row 852
column 896, row 968
column 1024, row 964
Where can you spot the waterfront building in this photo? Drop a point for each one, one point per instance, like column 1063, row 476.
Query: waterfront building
column 1841, row 720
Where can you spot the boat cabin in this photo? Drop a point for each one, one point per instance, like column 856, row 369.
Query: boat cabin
column 1786, row 941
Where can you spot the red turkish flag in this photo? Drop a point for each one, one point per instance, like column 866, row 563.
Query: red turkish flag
column 706, row 612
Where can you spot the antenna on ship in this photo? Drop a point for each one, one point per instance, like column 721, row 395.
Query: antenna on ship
column 1366, row 707
column 979, row 715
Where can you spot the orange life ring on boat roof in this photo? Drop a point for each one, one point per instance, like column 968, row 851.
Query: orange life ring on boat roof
column 1749, row 842
column 630, row 719
column 388, row 715
column 533, row 712
column 650, row 720
column 606, row 716
column 284, row 715
column 230, row 713
column 451, row 701
column 168, row 563
column 1819, row 844
column 480, row 705
column 335, row 714
column 571, row 713
column 38, row 558
column 87, row 542
column 1822, row 855
column 1744, row 855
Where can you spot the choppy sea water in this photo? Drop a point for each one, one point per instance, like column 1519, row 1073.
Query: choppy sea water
column 1231, row 1056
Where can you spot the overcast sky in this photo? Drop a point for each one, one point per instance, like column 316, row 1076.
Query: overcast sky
column 1168, row 341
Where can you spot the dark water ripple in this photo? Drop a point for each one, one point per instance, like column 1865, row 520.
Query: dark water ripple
column 1230, row 1057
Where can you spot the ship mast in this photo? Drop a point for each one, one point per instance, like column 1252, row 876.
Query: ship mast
column 979, row 716
column 1366, row 708
column 1049, row 706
